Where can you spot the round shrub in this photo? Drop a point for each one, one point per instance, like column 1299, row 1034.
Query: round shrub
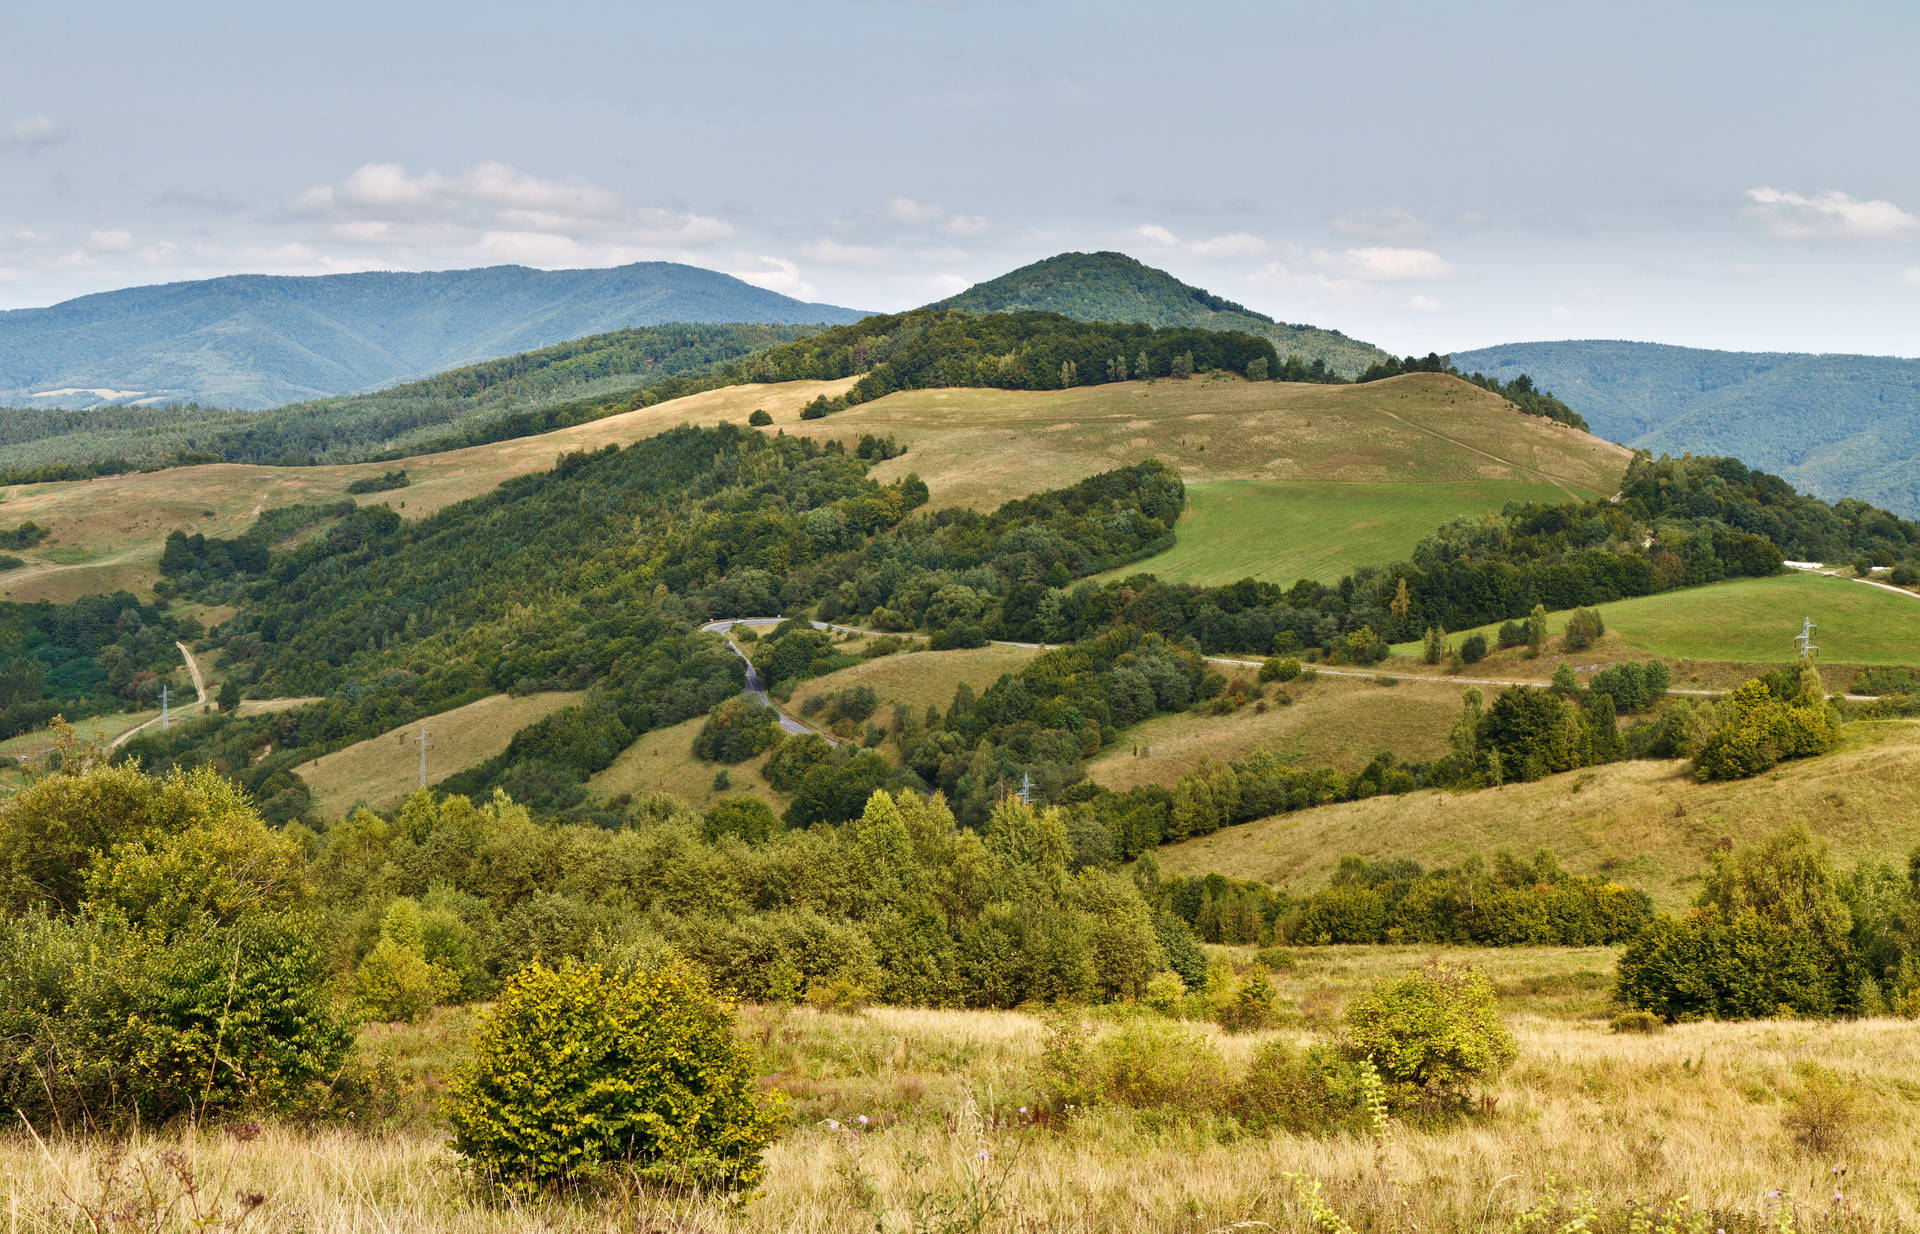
column 1433, row 1034
column 1473, row 649
column 1280, row 668
column 579, row 1074
column 735, row 731
column 759, row 418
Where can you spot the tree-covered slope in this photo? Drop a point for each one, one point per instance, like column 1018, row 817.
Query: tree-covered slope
column 1834, row 425
column 1115, row 287
column 256, row 341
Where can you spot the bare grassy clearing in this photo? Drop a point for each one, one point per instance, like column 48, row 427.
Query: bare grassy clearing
column 1645, row 823
column 381, row 771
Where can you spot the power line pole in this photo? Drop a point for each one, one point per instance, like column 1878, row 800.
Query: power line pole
column 1026, row 788
column 423, row 757
column 1805, row 638
column 165, row 719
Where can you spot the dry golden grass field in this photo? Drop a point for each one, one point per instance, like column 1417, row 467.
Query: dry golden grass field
column 919, row 678
column 108, row 532
column 1333, row 722
column 982, row 447
column 1586, row 1118
column 662, row 762
column 380, row 771
column 1647, row 824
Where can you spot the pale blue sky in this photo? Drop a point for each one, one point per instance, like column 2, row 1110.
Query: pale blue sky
column 1422, row 176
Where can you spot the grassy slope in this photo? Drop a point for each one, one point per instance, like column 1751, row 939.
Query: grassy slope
column 1754, row 621
column 1646, row 823
column 382, row 770
column 919, row 678
column 1282, row 530
column 1337, row 722
column 108, row 532
column 982, row 447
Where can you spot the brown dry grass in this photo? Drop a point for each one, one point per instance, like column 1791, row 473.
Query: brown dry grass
column 982, row 447
column 1333, row 722
column 108, row 532
column 662, row 762
column 1645, row 823
column 919, row 678
column 1698, row 1111
column 381, row 771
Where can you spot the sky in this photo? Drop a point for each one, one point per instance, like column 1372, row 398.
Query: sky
column 1424, row 177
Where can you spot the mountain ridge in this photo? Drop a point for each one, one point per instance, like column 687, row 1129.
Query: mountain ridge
column 1831, row 423
column 255, row 341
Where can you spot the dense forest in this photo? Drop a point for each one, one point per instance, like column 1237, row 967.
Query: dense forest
column 96, row 655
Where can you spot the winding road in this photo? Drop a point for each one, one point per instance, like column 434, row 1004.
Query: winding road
column 792, row 725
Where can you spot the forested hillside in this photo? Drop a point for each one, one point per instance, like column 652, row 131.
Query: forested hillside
column 255, row 341
column 1115, row 287
column 517, row 395
column 1833, row 425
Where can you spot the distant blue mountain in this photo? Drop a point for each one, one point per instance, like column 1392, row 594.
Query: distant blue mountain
column 1831, row 425
column 256, row 341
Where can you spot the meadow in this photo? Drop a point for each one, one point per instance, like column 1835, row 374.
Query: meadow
column 922, row 1120
column 1646, row 823
column 1281, row 530
column 381, row 771
column 1754, row 621
column 1339, row 722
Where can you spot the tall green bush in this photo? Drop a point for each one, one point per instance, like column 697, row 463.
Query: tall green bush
column 1433, row 1034
column 580, row 1075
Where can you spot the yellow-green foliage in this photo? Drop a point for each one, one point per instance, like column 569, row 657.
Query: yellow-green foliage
column 1754, row 729
column 156, row 955
column 579, row 1074
column 1433, row 1034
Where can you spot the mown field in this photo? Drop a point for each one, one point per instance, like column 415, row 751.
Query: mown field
column 1755, row 620
column 922, row 1120
column 380, row 771
column 1648, row 823
column 1282, row 530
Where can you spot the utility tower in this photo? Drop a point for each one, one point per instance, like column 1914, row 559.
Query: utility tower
column 424, row 746
column 1026, row 788
column 1805, row 638
column 165, row 717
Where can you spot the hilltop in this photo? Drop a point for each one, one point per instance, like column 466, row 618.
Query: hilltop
column 1115, row 287
column 1834, row 425
column 257, row 341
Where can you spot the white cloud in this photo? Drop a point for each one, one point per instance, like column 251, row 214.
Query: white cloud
column 494, row 212
column 774, row 274
column 1831, row 213
column 1423, row 304
column 907, row 210
column 1392, row 223
column 1384, row 264
column 117, row 240
column 964, row 225
column 1219, row 248
column 1912, row 276
column 33, row 132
